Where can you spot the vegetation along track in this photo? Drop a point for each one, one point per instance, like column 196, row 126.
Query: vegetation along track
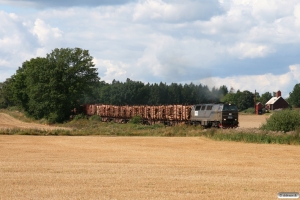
column 9, row 122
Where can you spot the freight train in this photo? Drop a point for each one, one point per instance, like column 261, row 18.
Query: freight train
column 208, row 115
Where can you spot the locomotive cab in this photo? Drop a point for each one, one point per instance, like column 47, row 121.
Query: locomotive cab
column 229, row 116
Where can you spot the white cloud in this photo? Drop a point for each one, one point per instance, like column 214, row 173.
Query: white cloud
column 175, row 11
column 250, row 50
column 16, row 42
column 265, row 10
column 295, row 72
column 271, row 10
column 46, row 34
column 113, row 69
column 255, row 21
column 42, row 4
column 165, row 40
column 297, row 17
column 3, row 62
column 21, row 40
column 261, row 83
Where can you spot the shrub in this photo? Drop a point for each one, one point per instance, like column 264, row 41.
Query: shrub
column 285, row 120
column 136, row 120
column 95, row 118
column 14, row 108
column 80, row 116
column 52, row 118
column 249, row 110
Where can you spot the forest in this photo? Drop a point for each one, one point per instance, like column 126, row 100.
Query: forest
column 138, row 93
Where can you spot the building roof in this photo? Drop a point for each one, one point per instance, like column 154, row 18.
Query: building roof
column 273, row 100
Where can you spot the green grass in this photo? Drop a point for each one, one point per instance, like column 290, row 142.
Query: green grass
column 255, row 136
column 93, row 126
column 17, row 131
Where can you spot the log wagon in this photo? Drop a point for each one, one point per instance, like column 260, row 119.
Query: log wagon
column 209, row 115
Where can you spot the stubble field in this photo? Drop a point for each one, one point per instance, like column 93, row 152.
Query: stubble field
column 61, row 167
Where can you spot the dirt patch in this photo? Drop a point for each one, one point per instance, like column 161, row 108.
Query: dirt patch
column 252, row 121
column 7, row 122
column 39, row 167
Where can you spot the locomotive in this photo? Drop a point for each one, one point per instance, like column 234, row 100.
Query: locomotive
column 215, row 115
column 208, row 115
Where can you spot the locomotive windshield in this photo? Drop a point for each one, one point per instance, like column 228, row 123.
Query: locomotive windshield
column 228, row 107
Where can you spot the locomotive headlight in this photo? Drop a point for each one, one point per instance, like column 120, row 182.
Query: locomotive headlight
column 224, row 119
column 235, row 119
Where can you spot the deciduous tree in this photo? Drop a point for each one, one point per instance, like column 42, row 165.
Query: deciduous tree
column 50, row 87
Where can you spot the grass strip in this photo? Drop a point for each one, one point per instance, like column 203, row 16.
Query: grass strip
column 85, row 127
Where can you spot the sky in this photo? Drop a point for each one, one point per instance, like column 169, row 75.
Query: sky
column 244, row 44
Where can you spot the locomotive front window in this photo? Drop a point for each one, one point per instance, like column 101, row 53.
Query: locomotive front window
column 203, row 108
column 230, row 108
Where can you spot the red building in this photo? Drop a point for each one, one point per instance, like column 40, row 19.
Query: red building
column 276, row 102
column 258, row 108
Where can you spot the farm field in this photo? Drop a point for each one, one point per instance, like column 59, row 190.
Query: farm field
column 61, row 167
column 95, row 167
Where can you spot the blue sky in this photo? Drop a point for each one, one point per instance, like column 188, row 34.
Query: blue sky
column 244, row 44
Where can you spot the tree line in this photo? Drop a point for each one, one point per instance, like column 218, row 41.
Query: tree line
column 50, row 87
column 138, row 93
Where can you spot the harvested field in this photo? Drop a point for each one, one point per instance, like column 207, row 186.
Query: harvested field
column 39, row 167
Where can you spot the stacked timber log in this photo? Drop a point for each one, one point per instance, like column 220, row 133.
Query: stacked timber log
column 90, row 109
column 164, row 113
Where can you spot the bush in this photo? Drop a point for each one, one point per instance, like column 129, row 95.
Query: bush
column 136, row 120
column 52, row 118
column 249, row 110
column 80, row 116
column 285, row 120
column 14, row 108
column 95, row 118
